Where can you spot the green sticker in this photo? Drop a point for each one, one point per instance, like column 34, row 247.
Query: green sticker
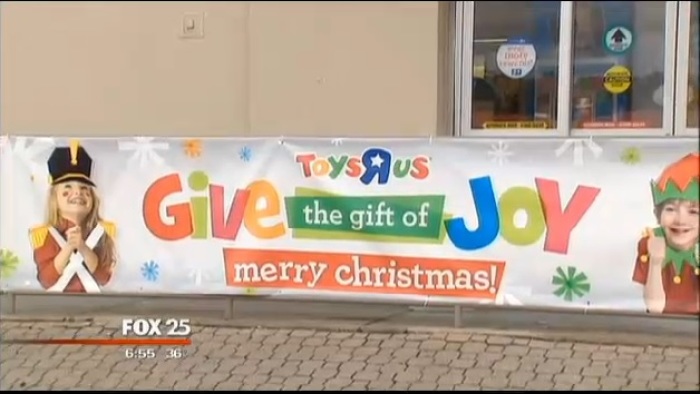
column 8, row 263
column 570, row 283
column 631, row 156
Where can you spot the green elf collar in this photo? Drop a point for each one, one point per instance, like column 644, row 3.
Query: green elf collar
column 678, row 258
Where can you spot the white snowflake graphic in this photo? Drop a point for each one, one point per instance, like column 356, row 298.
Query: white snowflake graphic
column 337, row 141
column 198, row 276
column 145, row 151
column 500, row 152
column 579, row 146
column 4, row 143
column 29, row 154
column 509, row 298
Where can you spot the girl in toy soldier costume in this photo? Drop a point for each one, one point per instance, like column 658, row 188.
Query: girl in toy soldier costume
column 74, row 250
column 667, row 256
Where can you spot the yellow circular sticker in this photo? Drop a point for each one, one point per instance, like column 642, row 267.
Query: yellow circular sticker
column 617, row 79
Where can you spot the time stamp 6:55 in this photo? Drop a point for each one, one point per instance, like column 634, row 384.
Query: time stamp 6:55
column 147, row 353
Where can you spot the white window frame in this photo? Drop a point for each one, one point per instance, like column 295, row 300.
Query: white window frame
column 667, row 126
column 683, row 72
column 464, row 41
column 464, row 68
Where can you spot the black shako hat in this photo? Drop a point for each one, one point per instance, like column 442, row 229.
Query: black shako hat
column 70, row 163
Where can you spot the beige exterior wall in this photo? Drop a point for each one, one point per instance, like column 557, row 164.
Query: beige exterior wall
column 262, row 68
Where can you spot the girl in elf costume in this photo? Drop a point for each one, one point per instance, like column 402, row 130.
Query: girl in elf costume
column 667, row 256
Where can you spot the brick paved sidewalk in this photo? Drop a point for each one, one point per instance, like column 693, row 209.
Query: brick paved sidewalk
column 231, row 358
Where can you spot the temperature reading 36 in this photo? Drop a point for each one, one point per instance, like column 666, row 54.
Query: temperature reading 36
column 175, row 353
column 150, row 327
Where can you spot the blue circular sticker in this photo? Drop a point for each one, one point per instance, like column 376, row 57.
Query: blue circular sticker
column 618, row 39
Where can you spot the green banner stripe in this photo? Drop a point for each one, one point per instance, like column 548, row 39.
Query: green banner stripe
column 349, row 211
column 354, row 236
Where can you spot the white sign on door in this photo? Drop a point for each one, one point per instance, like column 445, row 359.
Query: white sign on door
column 516, row 59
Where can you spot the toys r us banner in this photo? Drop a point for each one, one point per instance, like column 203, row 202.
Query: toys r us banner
column 609, row 224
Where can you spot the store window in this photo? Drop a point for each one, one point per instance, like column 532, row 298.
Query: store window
column 515, row 64
column 618, row 64
column 693, row 65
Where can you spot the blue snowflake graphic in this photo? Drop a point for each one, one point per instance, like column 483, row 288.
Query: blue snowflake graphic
column 150, row 271
column 245, row 154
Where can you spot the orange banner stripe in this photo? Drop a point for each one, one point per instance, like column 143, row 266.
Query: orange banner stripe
column 104, row 341
column 250, row 268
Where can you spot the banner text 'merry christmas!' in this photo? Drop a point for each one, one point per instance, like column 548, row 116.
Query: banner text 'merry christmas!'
column 360, row 273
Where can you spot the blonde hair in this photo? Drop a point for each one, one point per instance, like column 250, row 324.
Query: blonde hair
column 105, row 248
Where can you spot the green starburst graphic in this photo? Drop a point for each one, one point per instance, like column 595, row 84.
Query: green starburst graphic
column 8, row 263
column 631, row 156
column 570, row 283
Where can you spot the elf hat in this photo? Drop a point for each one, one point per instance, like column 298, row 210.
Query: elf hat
column 680, row 180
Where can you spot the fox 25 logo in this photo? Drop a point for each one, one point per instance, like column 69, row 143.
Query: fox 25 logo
column 149, row 327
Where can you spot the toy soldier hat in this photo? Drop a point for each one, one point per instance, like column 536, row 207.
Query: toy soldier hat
column 71, row 163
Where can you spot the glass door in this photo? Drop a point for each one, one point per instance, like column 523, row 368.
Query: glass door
column 613, row 68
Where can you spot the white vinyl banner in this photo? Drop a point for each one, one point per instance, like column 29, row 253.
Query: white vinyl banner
column 581, row 223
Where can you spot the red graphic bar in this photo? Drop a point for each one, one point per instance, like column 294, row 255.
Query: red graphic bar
column 104, row 341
